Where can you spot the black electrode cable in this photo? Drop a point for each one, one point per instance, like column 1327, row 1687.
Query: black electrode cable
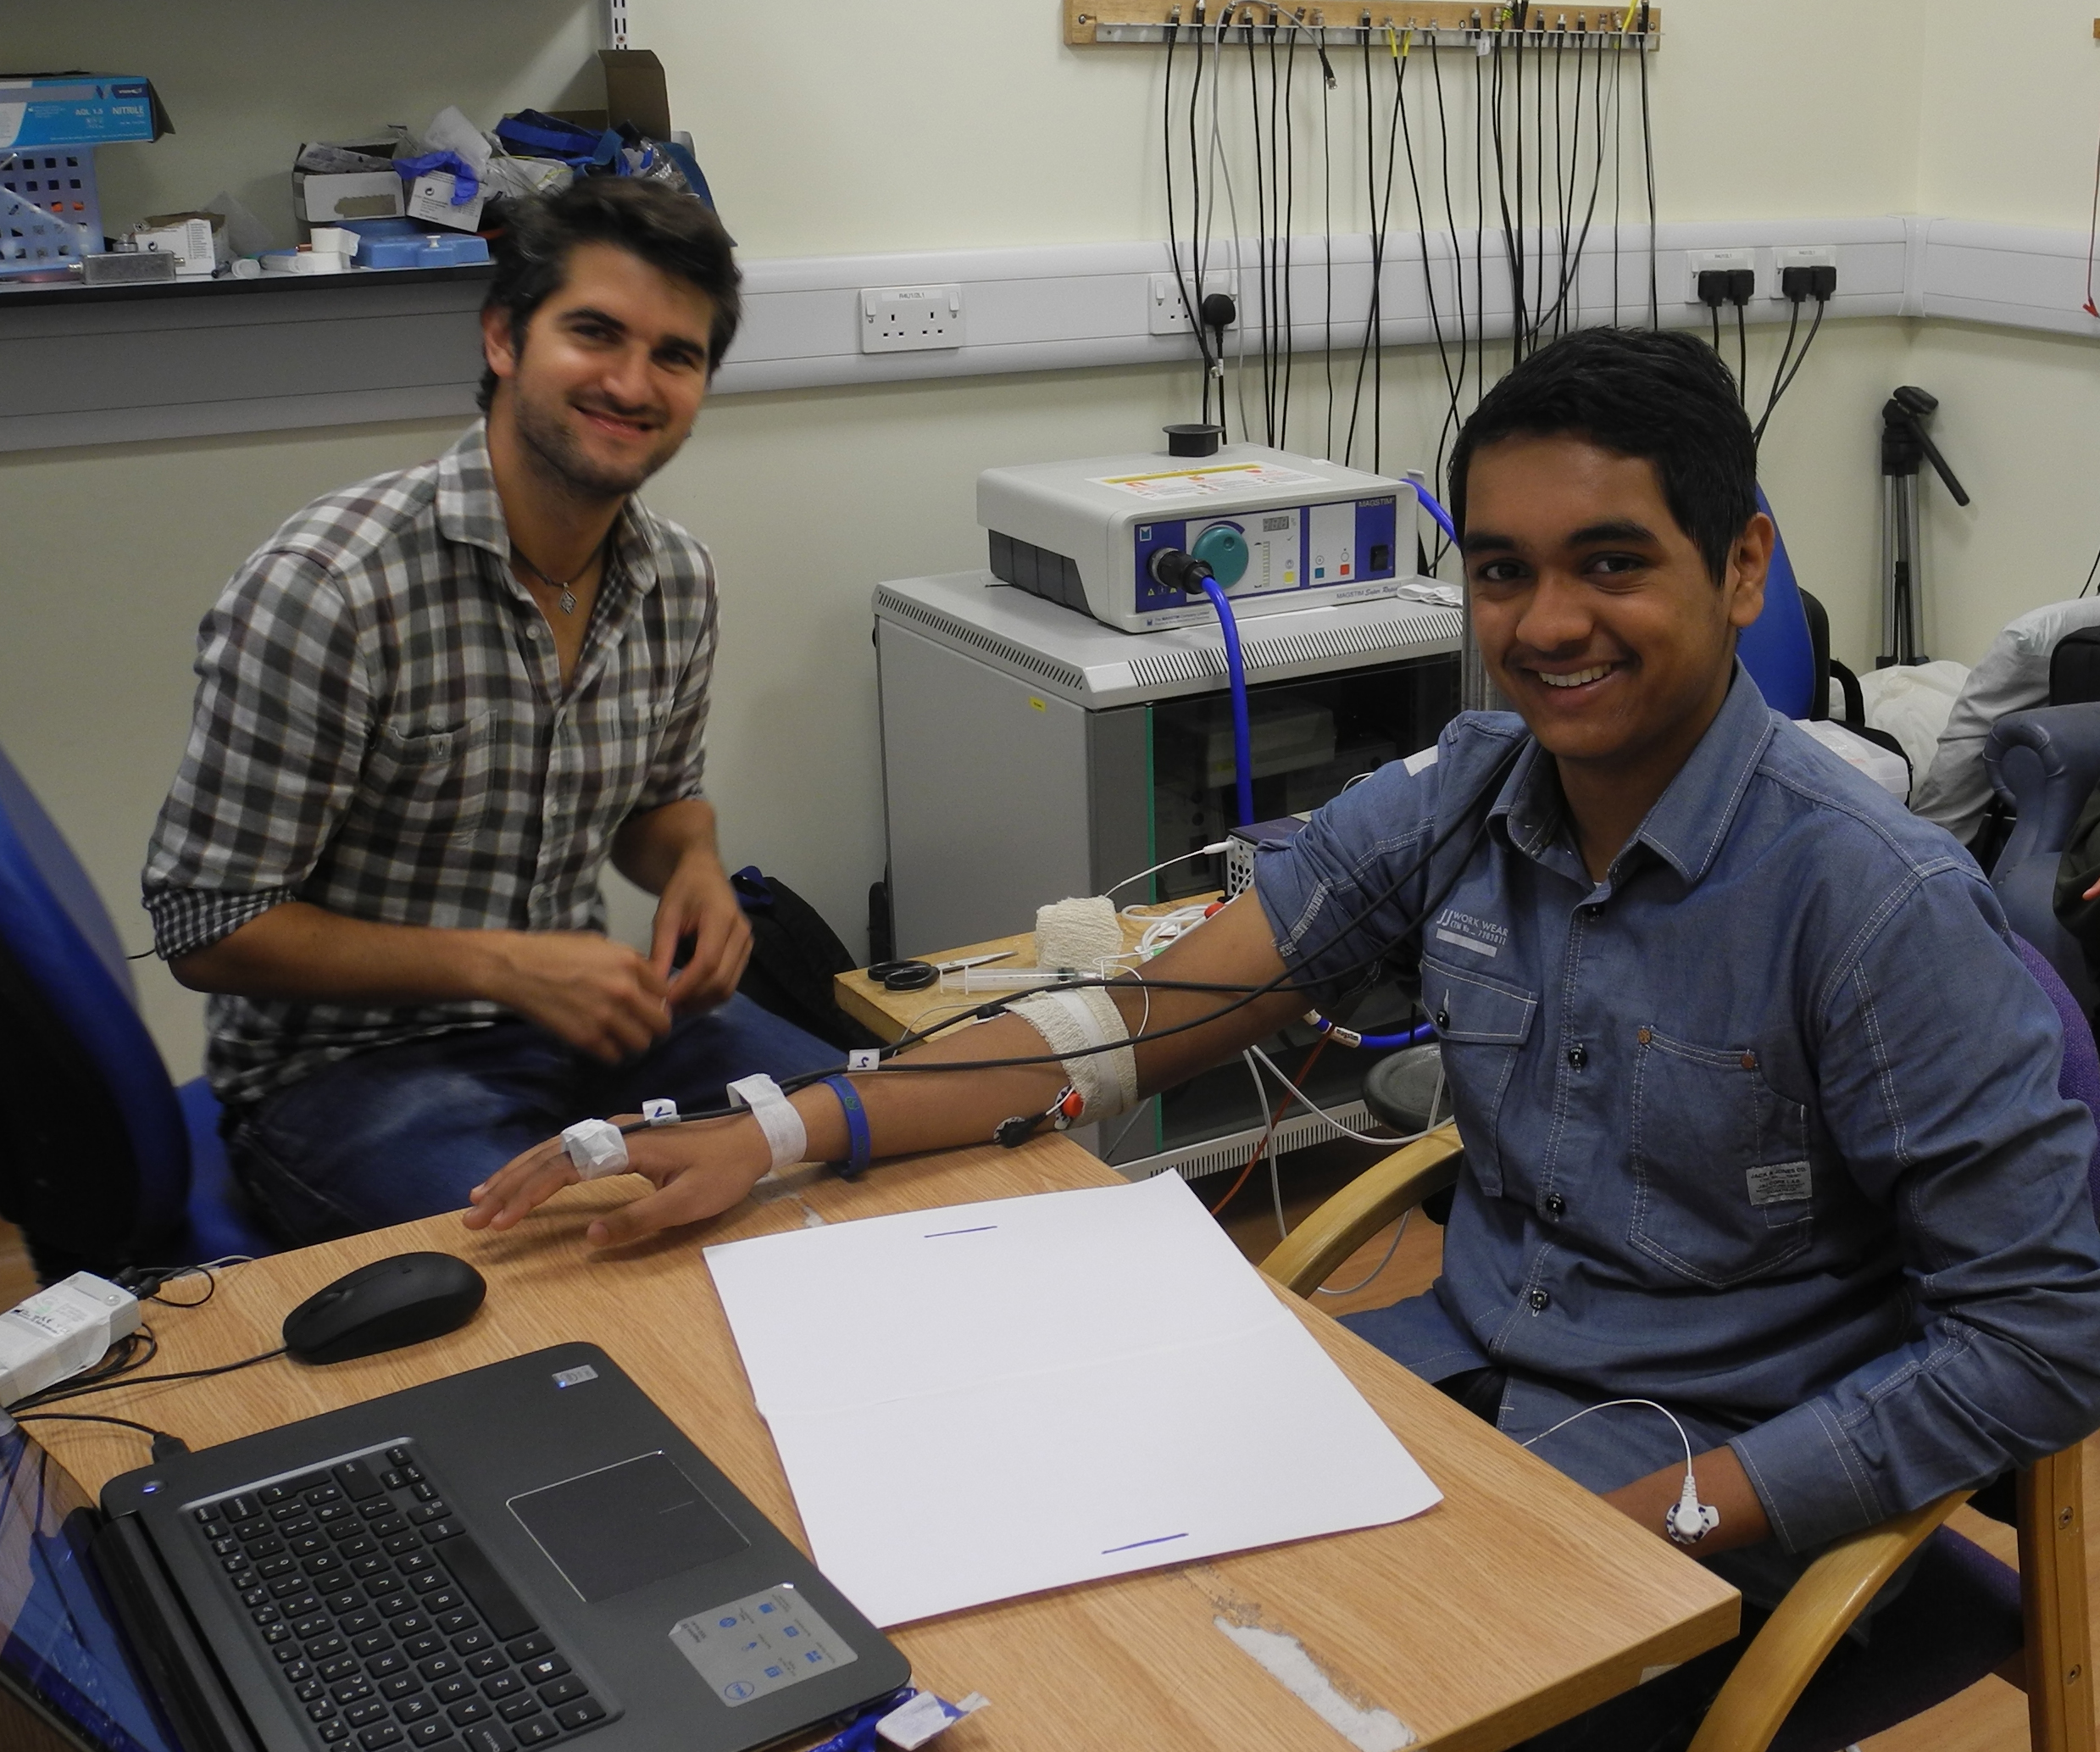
column 1446, row 434
column 1743, row 357
column 1173, row 243
column 1261, row 226
column 1428, row 280
column 1822, row 305
column 1478, row 806
column 1327, row 191
column 1385, row 229
column 1779, row 371
column 1370, row 178
column 1290, row 223
column 1647, row 153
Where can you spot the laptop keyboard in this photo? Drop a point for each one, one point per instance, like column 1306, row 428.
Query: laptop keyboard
column 384, row 1621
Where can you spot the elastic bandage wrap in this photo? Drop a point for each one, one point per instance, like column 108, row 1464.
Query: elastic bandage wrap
column 785, row 1133
column 596, row 1148
column 1073, row 1019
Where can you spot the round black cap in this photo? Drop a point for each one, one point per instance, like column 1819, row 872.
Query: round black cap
column 1193, row 440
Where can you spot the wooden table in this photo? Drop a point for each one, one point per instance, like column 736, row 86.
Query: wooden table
column 892, row 1013
column 1514, row 1602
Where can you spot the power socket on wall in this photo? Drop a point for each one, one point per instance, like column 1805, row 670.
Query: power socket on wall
column 1704, row 261
column 1169, row 315
column 910, row 318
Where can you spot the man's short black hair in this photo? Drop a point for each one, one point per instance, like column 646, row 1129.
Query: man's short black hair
column 675, row 233
column 1664, row 397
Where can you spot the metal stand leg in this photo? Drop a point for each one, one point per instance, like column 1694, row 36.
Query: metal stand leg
column 1904, row 447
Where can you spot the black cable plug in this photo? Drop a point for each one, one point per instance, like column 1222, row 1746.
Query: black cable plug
column 1218, row 310
column 1742, row 286
column 167, row 1447
column 1714, row 287
column 1173, row 569
column 1818, row 282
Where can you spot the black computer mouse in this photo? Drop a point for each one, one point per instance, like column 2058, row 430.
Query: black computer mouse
column 383, row 1306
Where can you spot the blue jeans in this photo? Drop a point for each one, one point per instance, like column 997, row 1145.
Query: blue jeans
column 405, row 1131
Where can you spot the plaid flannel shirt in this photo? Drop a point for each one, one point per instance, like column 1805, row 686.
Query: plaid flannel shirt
column 381, row 731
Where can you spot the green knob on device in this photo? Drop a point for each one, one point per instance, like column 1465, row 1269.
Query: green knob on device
column 1223, row 548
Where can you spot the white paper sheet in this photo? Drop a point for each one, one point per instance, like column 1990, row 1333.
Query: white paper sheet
column 985, row 1400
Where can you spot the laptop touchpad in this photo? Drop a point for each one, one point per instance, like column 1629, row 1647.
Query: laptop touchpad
column 625, row 1526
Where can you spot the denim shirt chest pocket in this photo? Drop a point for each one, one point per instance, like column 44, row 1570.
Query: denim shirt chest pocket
column 1482, row 1025
column 1723, row 1191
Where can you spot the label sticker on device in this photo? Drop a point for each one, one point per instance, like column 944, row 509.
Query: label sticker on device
column 1205, row 483
column 759, row 1644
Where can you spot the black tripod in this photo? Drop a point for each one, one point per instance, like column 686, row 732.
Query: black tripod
column 1904, row 445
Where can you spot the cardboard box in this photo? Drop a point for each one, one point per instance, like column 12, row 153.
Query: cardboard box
column 635, row 91
column 39, row 109
column 197, row 241
column 362, row 194
column 328, row 197
column 431, row 201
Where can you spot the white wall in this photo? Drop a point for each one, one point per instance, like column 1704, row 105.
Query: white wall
column 829, row 129
column 2008, row 121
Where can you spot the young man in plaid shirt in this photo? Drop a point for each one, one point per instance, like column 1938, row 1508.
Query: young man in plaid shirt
column 430, row 708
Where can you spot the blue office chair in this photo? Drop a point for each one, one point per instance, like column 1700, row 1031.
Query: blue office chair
column 1777, row 647
column 103, row 1163
column 2044, row 763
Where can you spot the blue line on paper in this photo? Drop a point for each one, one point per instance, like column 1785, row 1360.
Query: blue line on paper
column 981, row 1229
column 1163, row 1539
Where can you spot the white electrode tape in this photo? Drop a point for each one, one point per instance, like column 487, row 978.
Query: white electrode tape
column 596, row 1148
column 1070, row 1020
column 785, row 1133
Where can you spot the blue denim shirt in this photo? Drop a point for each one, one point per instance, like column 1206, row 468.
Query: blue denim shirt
column 1765, row 1125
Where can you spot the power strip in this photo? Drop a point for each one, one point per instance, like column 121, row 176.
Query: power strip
column 59, row 1330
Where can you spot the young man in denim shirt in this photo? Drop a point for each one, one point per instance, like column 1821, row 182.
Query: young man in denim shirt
column 1759, row 1105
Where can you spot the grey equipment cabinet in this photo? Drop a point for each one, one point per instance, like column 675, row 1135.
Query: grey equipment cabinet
column 1030, row 753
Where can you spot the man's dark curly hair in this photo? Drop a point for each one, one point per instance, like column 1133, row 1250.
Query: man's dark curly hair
column 1664, row 397
column 674, row 232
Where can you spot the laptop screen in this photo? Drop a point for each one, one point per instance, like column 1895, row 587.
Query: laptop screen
column 62, row 1644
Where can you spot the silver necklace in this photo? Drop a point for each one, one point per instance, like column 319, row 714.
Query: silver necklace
column 567, row 595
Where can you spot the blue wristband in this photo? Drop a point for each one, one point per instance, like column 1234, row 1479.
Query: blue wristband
column 860, row 1144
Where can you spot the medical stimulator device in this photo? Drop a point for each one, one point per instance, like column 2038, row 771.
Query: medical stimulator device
column 1277, row 531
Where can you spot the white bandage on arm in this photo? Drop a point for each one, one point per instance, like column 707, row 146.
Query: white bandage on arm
column 785, row 1134
column 1075, row 1018
column 596, row 1148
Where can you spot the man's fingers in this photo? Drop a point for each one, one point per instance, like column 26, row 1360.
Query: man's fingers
column 521, row 1185
column 686, row 1200
column 663, row 942
column 2093, row 893
column 711, row 979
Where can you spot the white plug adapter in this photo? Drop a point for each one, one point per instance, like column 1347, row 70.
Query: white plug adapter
column 59, row 1330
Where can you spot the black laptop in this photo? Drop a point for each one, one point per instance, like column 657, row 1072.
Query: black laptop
column 526, row 1555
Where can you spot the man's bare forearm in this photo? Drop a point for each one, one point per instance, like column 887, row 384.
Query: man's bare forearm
column 649, row 847
column 299, row 951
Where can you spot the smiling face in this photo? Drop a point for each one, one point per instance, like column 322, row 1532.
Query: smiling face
column 1594, row 611
column 613, row 369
